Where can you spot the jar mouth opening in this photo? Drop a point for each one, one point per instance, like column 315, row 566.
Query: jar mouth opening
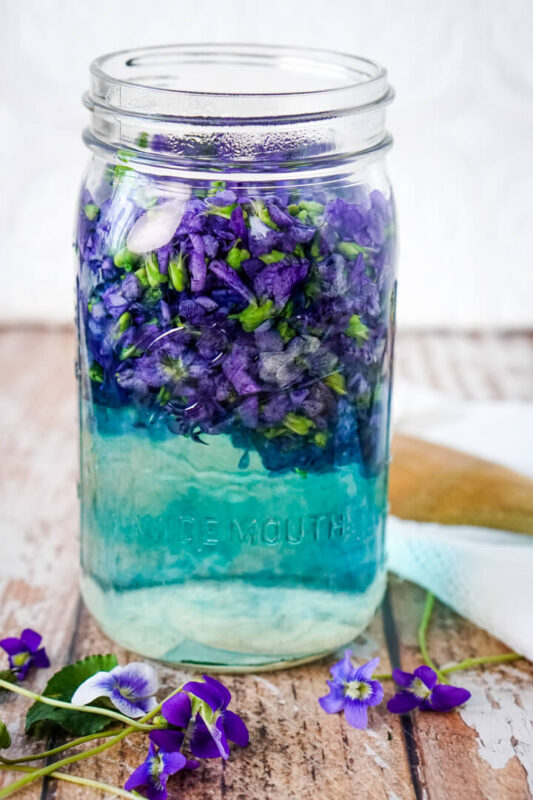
column 236, row 81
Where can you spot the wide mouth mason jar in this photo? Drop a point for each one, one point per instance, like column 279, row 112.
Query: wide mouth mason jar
column 236, row 294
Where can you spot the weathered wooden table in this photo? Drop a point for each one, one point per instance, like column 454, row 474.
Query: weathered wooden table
column 296, row 751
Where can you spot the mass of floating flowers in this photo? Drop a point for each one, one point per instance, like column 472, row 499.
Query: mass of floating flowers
column 263, row 315
column 194, row 721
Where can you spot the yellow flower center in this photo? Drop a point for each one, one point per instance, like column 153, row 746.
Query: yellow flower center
column 419, row 688
column 358, row 690
column 20, row 659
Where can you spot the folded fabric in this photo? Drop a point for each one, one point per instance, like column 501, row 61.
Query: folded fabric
column 484, row 574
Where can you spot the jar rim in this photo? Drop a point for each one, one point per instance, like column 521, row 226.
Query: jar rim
column 174, row 81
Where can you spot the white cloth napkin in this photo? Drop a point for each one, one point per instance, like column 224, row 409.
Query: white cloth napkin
column 486, row 575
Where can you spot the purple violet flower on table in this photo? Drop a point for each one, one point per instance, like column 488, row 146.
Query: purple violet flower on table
column 25, row 652
column 421, row 690
column 150, row 778
column 352, row 690
column 131, row 689
column 214, row 724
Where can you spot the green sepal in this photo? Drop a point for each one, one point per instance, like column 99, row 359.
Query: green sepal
column 261, row 211
column 177, row 273
column 163, row 396
column 273, row 433
column 312, row 206
column 5, row 738
column 155, row 277
column 151, row 296
column 142, row 139
column 42, row 720
column 8, row 675
column 336, row 382
column 357, row 329
column 96, row 372
column 321, row 438
column 298, row 423
column 216, row 187
column 222, row 211
column 299, row 251
column 91, row 211
column 254, row 314
column 350, row 249
column 237, row 255
column 285, row 331
column 301, row 472
column 315, row 246
column 125, row 260
column 130, row 352
column 273, row 257
column 142, row 277
column 124, row 321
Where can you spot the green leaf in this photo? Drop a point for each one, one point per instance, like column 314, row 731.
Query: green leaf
column 357, row 329
column 336, row 382
column 253, row 315
column 8, row 675
column 42, row 719
column 298, row 424
column 5, row 738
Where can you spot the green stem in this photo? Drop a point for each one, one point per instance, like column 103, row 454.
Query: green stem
column 468, row 663
column 104, row 712
column 422, row 633
column 62, row 776
column 68, row 746
column 64, row 762
column 93, row 751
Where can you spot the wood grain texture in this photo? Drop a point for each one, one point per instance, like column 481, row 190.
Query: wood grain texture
column 297, row 752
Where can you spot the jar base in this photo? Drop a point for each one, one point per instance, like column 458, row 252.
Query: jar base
column 233, row 627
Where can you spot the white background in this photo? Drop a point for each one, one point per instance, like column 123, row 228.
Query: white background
column 462, row 164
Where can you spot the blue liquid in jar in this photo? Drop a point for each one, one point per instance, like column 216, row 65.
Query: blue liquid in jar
column 192, row 556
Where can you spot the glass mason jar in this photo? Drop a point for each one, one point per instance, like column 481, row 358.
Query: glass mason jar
column 236, row 296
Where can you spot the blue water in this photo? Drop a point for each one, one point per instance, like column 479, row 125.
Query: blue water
column 190, row 559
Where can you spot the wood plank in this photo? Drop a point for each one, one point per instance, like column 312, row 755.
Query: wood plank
column 38, row 565
column 297, row 751
column 452, row 753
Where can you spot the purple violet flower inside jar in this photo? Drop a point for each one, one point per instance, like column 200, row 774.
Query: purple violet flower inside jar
column 236, row 294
